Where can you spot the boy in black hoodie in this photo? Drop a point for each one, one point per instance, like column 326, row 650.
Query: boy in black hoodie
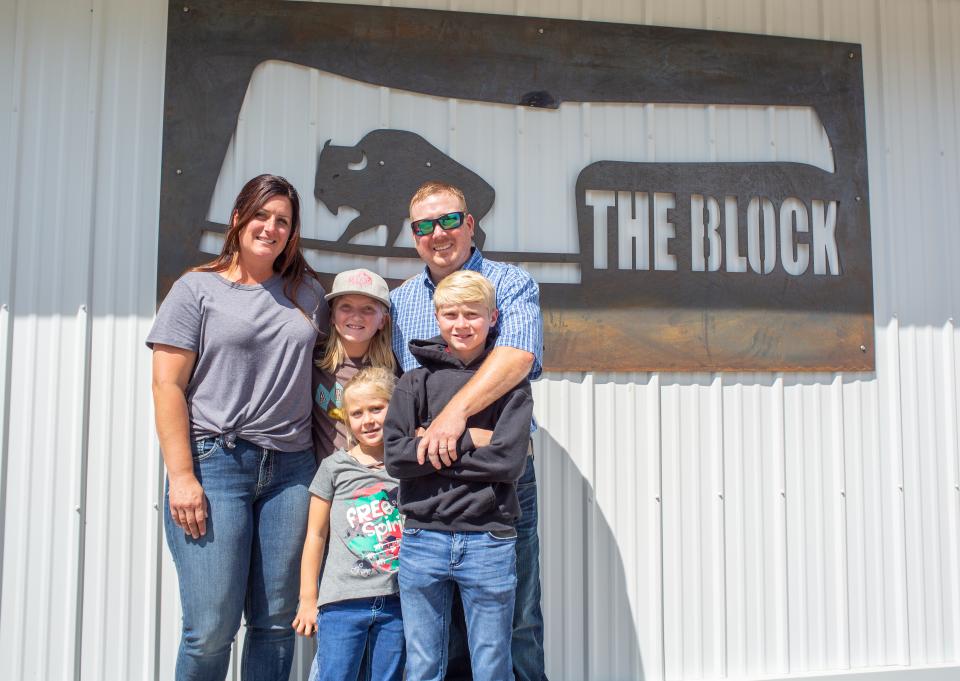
column 459, row 518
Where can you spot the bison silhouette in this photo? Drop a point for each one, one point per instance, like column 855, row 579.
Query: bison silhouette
column 397, row 162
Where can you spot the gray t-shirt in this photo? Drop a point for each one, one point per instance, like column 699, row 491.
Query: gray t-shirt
column 254, row 348
column 363, row 552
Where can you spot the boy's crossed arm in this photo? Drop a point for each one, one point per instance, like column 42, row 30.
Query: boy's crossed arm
column 503, row 459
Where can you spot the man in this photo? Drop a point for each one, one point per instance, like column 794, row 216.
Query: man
column 443, row 234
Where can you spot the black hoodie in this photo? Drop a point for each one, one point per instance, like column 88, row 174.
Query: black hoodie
column 479, row 491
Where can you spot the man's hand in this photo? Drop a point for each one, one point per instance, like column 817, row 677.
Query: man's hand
column 503, row 369
column 439, row 442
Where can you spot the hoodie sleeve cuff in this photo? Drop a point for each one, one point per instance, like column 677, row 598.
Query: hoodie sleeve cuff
column 465, row 443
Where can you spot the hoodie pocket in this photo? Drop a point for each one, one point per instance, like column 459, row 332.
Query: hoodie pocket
column 485, row 503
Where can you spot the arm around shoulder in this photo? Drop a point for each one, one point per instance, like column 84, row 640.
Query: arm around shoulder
column 521, row 320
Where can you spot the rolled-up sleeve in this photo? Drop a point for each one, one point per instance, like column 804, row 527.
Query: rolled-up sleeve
column 521, row 322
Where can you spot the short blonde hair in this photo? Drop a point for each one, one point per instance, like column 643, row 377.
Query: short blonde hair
column 431, row 187
column 465, row 286
column 378, row 381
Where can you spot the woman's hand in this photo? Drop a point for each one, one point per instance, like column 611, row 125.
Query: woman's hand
column 305, row 623
column 188, row 505
column 171, row 372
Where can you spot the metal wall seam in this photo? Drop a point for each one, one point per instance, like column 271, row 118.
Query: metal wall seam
column 913, row 500
column 563, row 497
column 656, row 639
column 950, row 483
column 797, row 605
column 734, row 528
column 6, row 361
column 10, row 101
column 740, row 569
column 81, row 407
column 839, row 566
column 123, row 551
column 856, row 524
column 78, row 464
column 714, row 575
column 944, row 112
column 673, row 558
column 778, row 583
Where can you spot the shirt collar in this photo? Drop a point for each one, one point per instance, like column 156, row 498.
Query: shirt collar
column 474, row 263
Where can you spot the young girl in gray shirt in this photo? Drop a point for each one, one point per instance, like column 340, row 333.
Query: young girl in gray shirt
column 354, row 514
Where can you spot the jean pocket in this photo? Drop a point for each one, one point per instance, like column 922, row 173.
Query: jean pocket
column 411, row 531
column 503, row 535
column 205, row 448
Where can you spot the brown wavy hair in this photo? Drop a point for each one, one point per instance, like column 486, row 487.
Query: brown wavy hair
column 290, row 264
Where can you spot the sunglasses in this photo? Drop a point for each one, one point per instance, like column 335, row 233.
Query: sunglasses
column 445, row 222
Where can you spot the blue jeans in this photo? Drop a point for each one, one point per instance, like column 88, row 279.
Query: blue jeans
column 348, row 628
column 527, row 642
column 247, row 562
column 483, row 566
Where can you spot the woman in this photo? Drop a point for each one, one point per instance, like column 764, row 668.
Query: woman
column 232, row 345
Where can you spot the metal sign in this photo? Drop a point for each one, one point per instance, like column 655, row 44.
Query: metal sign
column 754, row 266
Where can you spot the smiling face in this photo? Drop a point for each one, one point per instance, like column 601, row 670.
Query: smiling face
column 443, row 251
column 366, row 411
column 357, row 319
column 465, row 326
column 265, row 236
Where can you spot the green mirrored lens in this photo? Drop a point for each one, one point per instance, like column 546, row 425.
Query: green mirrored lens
column 450, row 221
column 423, row 227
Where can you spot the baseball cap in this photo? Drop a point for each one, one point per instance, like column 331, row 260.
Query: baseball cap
column 361, row 281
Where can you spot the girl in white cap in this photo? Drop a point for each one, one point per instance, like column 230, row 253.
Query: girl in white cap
column 360, row 336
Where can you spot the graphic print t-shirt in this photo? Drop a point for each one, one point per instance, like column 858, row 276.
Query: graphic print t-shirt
column 365, row 529
column 329, row 427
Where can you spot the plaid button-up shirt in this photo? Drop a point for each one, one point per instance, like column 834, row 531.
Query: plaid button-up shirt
column 520, row 324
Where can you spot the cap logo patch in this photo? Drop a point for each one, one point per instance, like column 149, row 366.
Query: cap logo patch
column 361, row 279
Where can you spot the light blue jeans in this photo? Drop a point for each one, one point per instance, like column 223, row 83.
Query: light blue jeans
column 247, row 563
column 527, row 645
column 348, row 629
column 483, row 566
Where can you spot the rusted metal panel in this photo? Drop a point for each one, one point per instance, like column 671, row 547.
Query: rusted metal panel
column 652, row 315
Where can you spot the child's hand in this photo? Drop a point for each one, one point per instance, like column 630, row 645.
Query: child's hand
column 305, row 623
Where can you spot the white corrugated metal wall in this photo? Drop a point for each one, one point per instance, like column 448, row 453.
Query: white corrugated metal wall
column 694, row 526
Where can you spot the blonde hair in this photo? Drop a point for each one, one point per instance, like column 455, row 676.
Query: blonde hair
column 378, row 380
column 431, row 187
column 379, row 352
column 465, row 286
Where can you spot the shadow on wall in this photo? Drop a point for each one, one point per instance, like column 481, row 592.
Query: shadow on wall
column 591, row 591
